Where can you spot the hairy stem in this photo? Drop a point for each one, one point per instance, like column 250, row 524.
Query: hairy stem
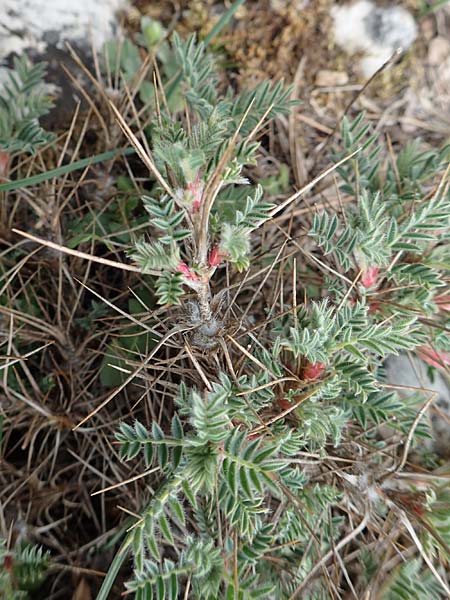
column 204, row 301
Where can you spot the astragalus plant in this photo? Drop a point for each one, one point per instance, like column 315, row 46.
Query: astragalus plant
column 275, row 477
column 202, row 154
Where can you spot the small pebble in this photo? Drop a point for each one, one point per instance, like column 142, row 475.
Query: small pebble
column 438, row 51
column 327, row 78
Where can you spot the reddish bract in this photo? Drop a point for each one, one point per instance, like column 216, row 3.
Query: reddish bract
column 186, row 271
column 313, row 371
column 370, row 277
column 374, row 307
column 215, row 257
column 196, row 189
column 443, row 303
column 284, row 404
column 435, row 358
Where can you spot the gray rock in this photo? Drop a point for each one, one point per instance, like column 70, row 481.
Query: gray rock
column 41, row 28
column 32, row 25
column 412, row 373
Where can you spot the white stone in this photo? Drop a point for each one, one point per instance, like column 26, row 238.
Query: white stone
column 279, row 6
column 377, row 32
column 34, row 24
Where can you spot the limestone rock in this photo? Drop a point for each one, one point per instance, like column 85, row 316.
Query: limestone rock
column 36, row 24
column 376, row 31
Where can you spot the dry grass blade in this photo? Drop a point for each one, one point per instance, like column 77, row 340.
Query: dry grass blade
column 11, row 360
column 212, row 189
column 407, row 523
column 126, row 481
column 312, row 184
column 143, row 154
column 78, row 254
column 344, row 542
column 133, row 375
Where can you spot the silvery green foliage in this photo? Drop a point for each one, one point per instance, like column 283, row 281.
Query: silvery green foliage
column 228, row 460
column 201, row 161
column 398, row 227
column 348, row 339
column 22, row 103
column 23, row 569
column 411, row 581
column 212, row 464
column 217, row 460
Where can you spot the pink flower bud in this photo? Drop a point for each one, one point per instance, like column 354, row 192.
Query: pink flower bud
column 215, row 257
column 284, row 403
column 313, row 371
column 370, row 276
column 8, row 563
column 435, row 358
column 195, row 189
column 374, row 307
column 443, row 303
column 186, row 271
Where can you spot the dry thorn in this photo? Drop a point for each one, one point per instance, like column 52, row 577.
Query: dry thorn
column 127, row 481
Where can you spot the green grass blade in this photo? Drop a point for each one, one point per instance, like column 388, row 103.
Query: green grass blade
column 75, row 166
column 114, row 568
column 223, row 21
column 428, row 10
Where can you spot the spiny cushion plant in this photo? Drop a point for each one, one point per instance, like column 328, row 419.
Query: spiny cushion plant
column 261, row 470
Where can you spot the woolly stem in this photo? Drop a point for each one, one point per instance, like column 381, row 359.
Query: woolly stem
column 204, row 301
